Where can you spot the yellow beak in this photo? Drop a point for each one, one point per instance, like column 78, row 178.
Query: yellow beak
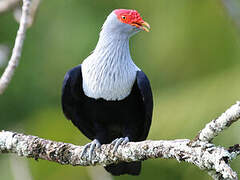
column 143, row 25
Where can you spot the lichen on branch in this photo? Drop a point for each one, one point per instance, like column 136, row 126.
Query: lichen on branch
column 200, row 151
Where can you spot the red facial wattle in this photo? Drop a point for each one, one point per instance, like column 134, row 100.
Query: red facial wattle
column 132, row 17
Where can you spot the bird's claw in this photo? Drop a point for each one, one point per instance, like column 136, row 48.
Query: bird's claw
column 119, row 141
column 92, row 145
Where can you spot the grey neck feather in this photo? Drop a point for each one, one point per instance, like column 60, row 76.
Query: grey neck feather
column 109, row 72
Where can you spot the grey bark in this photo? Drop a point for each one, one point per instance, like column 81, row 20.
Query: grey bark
column 200, row 151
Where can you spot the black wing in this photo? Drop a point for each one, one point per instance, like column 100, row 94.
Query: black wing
column 147, row 99
column 73, row 101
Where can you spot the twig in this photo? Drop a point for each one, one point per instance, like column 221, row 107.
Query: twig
column 7, row 5
column 216, row 126
column 32, row 12
column 17, row 50
column 200, row 152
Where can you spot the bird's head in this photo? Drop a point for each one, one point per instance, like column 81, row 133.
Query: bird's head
column 125, row 21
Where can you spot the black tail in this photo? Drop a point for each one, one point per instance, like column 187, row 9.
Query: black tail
column 132, row 168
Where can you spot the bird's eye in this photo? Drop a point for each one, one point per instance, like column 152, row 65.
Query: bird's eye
column 123, row 17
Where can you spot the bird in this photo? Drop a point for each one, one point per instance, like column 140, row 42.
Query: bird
column 108, row 97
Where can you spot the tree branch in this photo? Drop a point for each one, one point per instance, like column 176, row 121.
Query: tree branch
column 199, row 152
column 216, row 126
column 32, row 12
column 17, row 50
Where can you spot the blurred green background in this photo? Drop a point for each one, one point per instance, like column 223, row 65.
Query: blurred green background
column 191, row 57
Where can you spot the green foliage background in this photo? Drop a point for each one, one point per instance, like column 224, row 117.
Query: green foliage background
column 191, row 57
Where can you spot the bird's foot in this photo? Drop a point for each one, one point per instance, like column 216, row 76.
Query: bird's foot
column 92, row 145
column 119, row 141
